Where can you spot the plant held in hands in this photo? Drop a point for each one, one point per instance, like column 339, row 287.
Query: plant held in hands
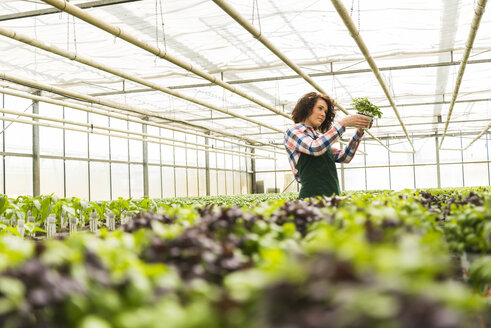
column 365, row 107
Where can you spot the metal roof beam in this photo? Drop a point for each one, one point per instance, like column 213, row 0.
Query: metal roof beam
column 90, row 62
column 476, row 21
column 118, row 32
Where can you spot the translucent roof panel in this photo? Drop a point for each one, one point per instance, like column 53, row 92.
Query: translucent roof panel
column 416, row 44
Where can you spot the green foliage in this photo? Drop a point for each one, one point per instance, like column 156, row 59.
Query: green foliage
column 364, row 106
column 378, row 257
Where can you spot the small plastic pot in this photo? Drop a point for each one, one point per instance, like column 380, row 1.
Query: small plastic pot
column 367, row 116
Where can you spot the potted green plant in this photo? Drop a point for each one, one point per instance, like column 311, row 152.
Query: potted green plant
column 364, row 107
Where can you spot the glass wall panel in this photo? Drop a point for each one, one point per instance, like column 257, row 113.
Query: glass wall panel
column 358, row 159
column 98, row 144
column 450, row 156
column 400, row 145
column 18, row 136
column 1, row 174
column 229, row 161
column 167, row 154
column 168, row 182
column 376, row 155
column 153, row 148
column 425, row 150
column 192, row 177
column 77, row 179
column 221, row 183
column 476, row 175
column 426, row 176
column 120, row 180
column 154, row 185
column 202, row 182
column 476, row 151
column 230, row 182
column 213, row 183
column 354, row 179
column 451, row 175
column 167, row 151
column 50, row 139
column 75, row 142
column 249, row 183
column 18, row 176
column 52, row 177
column 180, row 152
column 268, row 180
column 402, row 177
column 136, row 180
column 236, row 160
column 212, row 158
column 378, row 178
column 99, row 181
column 237, row 189
column 119, row 146
column 220, row 157
column 181, row 183
column 242, row 160
column 136, row 147
column 191, row 153
column 246, row 183
column 201, row 159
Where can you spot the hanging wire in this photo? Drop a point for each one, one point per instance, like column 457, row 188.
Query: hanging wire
column 74, row 35
column 359, row 16
column 162, row 25
column 255, row 7
column 351, row 12
column 68, row 33
column 156, row 23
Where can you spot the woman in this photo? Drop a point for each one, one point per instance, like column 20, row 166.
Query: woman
column 311, row 155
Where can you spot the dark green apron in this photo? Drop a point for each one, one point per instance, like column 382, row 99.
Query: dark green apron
column 318, row 175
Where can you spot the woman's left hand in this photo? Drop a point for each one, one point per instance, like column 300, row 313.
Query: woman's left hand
column 369, row 126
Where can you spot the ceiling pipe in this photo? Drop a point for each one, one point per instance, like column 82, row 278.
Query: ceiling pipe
column 125, row 117
column 90, row 130
column 112, row 104
column 473, row 140
column 476, row 21
column 261, row 38
column 118, row 32
column 363, row 48
column 92, row 63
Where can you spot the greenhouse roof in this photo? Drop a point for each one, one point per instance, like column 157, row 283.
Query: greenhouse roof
column 178, row 47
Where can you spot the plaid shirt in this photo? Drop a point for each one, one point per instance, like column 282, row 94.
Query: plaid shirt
column 301, row 138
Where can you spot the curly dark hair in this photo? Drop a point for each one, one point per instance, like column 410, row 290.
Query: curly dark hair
column 306, row 104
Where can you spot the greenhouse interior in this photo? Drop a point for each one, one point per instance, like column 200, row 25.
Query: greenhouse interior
column 148, row 177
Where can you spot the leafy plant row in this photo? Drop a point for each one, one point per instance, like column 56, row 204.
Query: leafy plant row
column 378, row 259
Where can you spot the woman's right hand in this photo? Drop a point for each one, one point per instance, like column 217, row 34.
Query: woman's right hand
column 355, row 121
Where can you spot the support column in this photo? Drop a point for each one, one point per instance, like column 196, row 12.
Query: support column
column 145, row 161
column 207, row 166
column 253, row 174
column 36, row 173
column 437, row 160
